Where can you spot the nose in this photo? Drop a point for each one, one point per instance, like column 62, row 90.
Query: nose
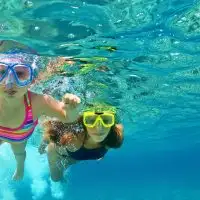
column 9, row 80
column 99, row 125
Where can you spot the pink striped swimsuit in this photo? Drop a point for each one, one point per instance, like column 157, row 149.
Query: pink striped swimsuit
column 25, row 130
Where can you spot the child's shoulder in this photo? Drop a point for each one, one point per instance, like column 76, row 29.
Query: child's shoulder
column 37, row 102
column 43, row 104
column 35, row 97
column 38, row 98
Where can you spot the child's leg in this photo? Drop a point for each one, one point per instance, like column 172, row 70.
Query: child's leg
column 20, row 156
column 56, row 169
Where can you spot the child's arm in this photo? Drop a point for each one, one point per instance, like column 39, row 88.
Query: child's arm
column 66, row 110
column 42, row 147
column 44, row 143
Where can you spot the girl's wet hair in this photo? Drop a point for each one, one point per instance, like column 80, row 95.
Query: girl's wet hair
column 115, row 137
column 54, row 130
column 21, row 57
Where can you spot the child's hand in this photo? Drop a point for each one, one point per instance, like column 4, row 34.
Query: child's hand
column 42, row 149
column 71, row 106
column 71, row 100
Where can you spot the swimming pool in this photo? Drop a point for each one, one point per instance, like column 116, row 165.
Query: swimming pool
column 152, row 75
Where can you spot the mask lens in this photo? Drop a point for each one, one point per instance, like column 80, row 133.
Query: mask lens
column 23, row 73
column 90, row 120
column 107, row 119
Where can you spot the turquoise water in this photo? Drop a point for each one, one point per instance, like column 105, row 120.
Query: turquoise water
column 153, row 79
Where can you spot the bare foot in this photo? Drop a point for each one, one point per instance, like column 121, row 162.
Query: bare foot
column 19, row 173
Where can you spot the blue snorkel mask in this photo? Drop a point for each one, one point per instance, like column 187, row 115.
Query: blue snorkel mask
column 21, row 73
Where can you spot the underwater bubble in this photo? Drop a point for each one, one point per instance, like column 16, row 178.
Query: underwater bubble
column 71, row 35
column 28, row 4
column 36, row 28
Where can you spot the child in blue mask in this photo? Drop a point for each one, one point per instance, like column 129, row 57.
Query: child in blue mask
column 20, row 108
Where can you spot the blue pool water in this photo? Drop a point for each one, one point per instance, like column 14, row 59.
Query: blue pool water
column 153, row 79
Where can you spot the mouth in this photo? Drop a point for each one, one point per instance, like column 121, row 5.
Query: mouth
column 10, row 92
column 98, row 137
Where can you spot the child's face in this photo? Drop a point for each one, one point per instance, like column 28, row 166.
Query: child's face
column 12, row 77
column 13, row 92
column 98, row 124
column 98, row 133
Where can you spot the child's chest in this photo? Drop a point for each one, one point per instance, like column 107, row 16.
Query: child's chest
column 12, row 118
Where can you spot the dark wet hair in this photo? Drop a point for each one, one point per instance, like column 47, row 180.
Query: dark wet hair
column 54, row 131
column 115, row 137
